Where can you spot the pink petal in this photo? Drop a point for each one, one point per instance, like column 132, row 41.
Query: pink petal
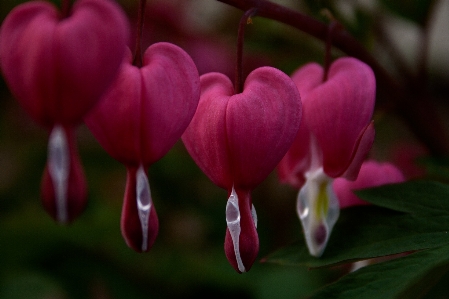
column 337, row 111
column 172, row 87
column 371, row 174
column 147, row 109
column 307, row 78
column 115, row 120
column 261, row 124
column 76, row 193
column 206, row 138
column 360, row 151
column 59, row 67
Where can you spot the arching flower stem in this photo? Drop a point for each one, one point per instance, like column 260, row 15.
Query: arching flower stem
column 137, row 60
column 246, row 19
column 65, row 8
column 334, row 27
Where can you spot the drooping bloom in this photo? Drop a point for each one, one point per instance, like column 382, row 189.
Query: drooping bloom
column 237, row 140
column 372, row 174
column 138, row 121
column 335, row 137
column 58, row 66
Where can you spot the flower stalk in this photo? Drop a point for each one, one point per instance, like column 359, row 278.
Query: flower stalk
column 245, row 20
column 137, row 60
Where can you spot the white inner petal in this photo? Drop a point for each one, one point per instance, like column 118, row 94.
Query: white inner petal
column 318, row 209
column 254, row 215
column 144, row 202
column 59, row 169
column 233, row 223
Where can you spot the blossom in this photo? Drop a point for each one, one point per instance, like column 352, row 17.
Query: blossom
column 335, row 137
column 58, row 66
column 237, row 140
column 138, row 121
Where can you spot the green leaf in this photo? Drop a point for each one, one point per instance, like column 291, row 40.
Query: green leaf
column 420, row 198
column 421, row 221
column 406, row 277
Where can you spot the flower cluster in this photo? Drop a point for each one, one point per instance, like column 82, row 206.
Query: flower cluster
column 315, row 126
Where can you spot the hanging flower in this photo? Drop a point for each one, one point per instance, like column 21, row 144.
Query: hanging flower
column 58, row 66
column 237, row 140
column 139, row 120
column 333, row 141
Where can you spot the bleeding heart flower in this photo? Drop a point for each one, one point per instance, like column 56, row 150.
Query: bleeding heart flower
column 333, row 141
column 237, row 140
column 58, row 67
column 139, row 120
column 372, row 174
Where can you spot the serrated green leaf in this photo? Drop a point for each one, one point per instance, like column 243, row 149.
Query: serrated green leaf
column 368, row 232
column 420, row 198
column 406, row 277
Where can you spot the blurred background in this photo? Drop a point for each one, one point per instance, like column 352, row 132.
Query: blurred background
column 89, row 258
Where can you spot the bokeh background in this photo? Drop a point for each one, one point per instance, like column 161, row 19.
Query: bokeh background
column 89, row 258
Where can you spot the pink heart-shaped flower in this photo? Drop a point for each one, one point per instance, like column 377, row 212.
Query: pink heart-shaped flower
column 237, row 140
column 147, row 109
column 337, row 116
column 139, row 120
column 339, row 110
column 333, row 142
column 58, row 67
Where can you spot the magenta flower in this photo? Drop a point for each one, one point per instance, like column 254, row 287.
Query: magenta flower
column 58, row 67
column 372, row 174
column 335, row 137
column 237, row 140
column 138, row 122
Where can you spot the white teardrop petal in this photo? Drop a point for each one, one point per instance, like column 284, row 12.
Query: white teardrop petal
column 254, row 215
column 233, row 223
column 59, row 169
column 318, row 209
column 144, row 203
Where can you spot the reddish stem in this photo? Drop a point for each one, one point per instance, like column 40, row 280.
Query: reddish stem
column 342, row 39
column 246, row 19
column 334, row 26
column 65, row 8
column 137, row 61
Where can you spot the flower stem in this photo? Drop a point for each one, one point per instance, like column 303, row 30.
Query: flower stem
column 334, row 26
column 137, row 60
column 246, row 19
column 341, row 39
column 65, row 8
